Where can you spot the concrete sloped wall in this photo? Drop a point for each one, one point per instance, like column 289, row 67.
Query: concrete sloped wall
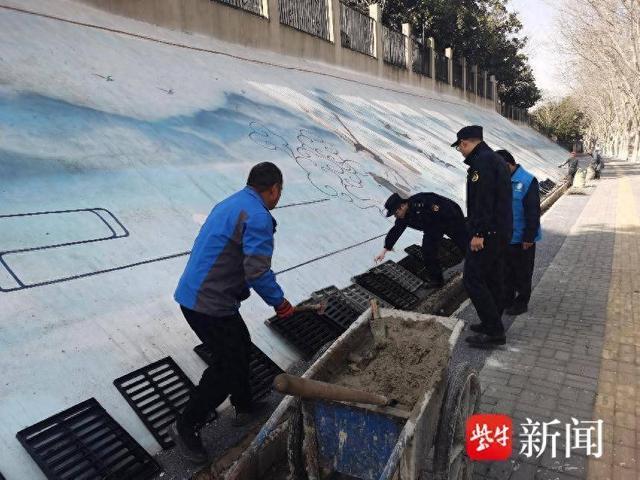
column 123, row 145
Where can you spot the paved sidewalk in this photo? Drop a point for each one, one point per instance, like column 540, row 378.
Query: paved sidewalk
column 576, row 353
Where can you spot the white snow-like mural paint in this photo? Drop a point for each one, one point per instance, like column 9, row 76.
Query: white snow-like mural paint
column 112, row 151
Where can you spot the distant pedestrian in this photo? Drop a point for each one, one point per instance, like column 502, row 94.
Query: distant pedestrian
column 435, row 216
column 489, row 222
column 526, row 233
column 231, row 254
column 572, row 162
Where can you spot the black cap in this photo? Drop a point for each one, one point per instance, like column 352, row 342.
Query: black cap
column 392, row 203
column 471, row 131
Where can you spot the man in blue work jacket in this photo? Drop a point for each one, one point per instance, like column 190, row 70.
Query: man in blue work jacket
column 231, row 254
column 526, row 233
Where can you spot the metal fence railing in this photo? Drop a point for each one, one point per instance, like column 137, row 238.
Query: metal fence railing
column 480, row 91
column 310, row 16
column 253, row 6
column 442, row 67
column 421, row 56
column 458, row 73
column 470, row 79
column 357, row 31
column 394, row 47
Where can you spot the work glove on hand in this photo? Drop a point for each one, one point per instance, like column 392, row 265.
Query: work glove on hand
column 285, row 309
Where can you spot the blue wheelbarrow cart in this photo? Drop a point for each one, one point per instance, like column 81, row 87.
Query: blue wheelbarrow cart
column 316, row 439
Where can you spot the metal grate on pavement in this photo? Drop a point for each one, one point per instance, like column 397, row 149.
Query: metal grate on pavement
column 359, row 298
column 400, row 274
column 85, row 442
column 416, row 267
column 387, row 289
column 340, row 311
column 324, row 292
column 448, row 253
column 307, row 331
column 157, row 393
column 262, row 369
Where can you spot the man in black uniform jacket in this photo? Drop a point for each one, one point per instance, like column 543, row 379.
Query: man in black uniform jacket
column 489, row 221
column 435, row 216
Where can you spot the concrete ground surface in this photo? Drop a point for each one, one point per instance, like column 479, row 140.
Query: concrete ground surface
column 575, row 354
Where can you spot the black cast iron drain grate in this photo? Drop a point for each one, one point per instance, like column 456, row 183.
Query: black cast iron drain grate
column 546, row 186
column 85, row 442
column 387, row 289
column 307, row 331
column 338, row 310
column 448, row 253
column 359, row 298
column 325, row 292
column 157, row 393
column 262, row 369
column 400, row 274
column 416, row 267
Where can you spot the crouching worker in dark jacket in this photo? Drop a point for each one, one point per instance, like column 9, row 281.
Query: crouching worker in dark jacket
column 231, row 254
column 432, row 214
column 526, row 232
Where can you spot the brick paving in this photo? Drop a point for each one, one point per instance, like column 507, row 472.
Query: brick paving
column 576, row 353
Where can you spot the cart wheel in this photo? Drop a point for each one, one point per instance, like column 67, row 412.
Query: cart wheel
column 462, row 399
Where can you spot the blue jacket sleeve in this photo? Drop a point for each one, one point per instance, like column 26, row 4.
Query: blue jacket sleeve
column 257, row 245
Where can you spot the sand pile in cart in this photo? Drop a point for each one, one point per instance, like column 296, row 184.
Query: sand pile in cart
column 403, row 365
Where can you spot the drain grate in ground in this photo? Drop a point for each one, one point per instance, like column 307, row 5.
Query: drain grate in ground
column 339, row 310
column 157, row 393
column 415, row 266
column 359, row 298
column 84, row 442
column 546, row 186
column 400, row 274
column 325, row 292
column 448, row 253
column 307, row 331
column 262, row 369
column 387, row 289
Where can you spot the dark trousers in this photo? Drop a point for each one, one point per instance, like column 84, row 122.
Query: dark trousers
column 227, row 338
column 519, row 272
column 484, row 282
column 456, row 231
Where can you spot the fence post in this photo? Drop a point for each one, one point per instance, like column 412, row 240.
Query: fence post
column 408, row 51
column 448, row 52
column 484, row 76
column 492, row 79
column 431, row 43
column 375, row 12
column 336, row 20
column 464, row 76
column 474, row 81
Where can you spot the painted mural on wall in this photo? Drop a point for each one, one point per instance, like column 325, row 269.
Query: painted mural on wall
column 112, row 151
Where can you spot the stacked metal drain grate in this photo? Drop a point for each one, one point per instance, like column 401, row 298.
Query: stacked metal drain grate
column 401, row 275
column 305, row 330
column 387, row 289
column 448, row 254
column 360, row 299
column 157, row 393
column 546, row 186
column 339, row 310
column 84, row 442
column 262, row 369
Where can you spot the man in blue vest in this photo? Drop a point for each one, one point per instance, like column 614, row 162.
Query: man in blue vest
column 526, row 232
column 231, row 254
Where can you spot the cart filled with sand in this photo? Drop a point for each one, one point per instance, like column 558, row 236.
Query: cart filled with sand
column 382, row 402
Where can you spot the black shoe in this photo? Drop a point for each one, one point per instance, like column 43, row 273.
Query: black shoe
column 477, row 327
column 247, row 415
column 484, row 340
column 516, row 309
column 189, row 443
